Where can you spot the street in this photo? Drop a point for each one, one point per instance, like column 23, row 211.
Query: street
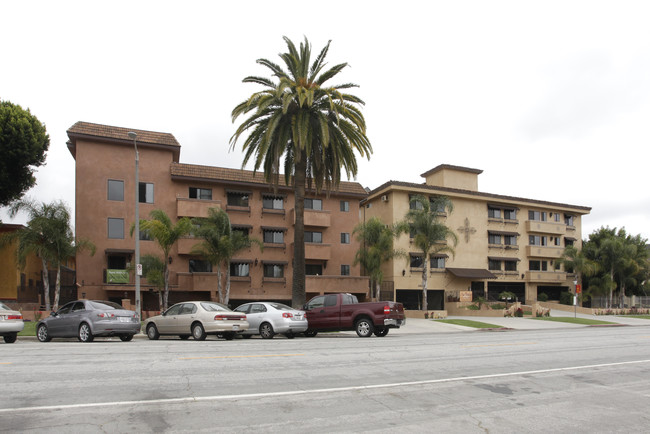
column 592, row 379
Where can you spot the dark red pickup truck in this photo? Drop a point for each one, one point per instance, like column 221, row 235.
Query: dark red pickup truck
column 344, row 312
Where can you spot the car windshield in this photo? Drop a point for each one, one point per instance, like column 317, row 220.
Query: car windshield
column 104, row 305
column 214, row 307
column 280, row 306
column 4, row 306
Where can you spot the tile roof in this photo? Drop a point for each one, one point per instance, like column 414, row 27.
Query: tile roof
column 222, row 174
column 119, row 133
column 451, row 167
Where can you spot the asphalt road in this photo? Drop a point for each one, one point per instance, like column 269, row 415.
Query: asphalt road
column 587, row 379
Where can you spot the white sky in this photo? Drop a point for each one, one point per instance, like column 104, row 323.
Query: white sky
column 551, row 99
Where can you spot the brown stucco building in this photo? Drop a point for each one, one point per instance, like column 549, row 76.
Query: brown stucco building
column 105, row 211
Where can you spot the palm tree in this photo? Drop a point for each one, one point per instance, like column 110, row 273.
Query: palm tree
column 153, row 269
column 220, row 244
column 575, row 261
column 161, row 229
column 49, row 236
column 313, row 127
column 429, row 234
column 376, row 248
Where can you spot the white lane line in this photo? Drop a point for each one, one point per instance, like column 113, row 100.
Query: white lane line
column 309, row 392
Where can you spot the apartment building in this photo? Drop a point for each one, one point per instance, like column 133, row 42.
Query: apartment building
column 105, row 212
column 504, row 243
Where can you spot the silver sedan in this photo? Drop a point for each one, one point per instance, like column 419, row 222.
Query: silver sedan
column 87, row 319
column 197, row 319
column 11, row 323
column 270, row 318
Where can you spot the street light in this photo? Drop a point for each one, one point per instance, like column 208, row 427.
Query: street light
column 575, row 298
column 138, row 269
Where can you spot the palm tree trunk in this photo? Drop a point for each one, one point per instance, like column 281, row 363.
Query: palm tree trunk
column 166, row 292
column 227, row 285
column 219, row 287
column 611, row 287
column 298, row 296
column 425, row 280
column 46, row 285
column 377, row 289
column 57, row 288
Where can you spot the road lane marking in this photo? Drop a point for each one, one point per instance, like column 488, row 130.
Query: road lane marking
column 191, row 399
column 514, row 344
column 240, row 357
column 6, row 363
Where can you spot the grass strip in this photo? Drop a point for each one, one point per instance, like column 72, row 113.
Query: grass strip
column 568, row 319
column 469, row 323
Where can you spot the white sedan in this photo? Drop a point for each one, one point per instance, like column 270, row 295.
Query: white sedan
column 11, row 323
column 197, row 319
column 270, row 318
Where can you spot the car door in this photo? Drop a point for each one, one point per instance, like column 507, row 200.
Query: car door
column 56, row 323
column 70, row 324
column 256, row 316
column 318, row 315
column 184, row 319
column 245, row 309
column 167, row 322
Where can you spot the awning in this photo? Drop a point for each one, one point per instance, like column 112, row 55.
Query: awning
column 501, row 258
column 471, row 273
column 514, row 234
column 117, row 251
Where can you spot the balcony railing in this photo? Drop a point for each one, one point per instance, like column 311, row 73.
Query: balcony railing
column 195, row 207
column 544, row 251
column 545, row 276
column 555, row 228
column 116, row 276
column 314, row 218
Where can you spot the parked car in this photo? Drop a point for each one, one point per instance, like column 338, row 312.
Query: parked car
column 11, row 323
column 269, row 318
column 87, row 319
column 344, row 312
column 197, row 319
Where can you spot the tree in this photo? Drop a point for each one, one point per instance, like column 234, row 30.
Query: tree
column 49, row 236
column 220, row 243
column 23, row 144
column 315, row 128
column 429, row 234
column 161, row 229
column 376, row 248
column 575, row 261
column 153, row 269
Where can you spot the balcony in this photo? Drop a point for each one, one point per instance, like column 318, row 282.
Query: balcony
column 116, row 276
column 544, row 252
column 545, row 276
column 555, row 228
column 185, row 245
column 195, row 207
column 317, row 251
column 314, row 218
column 197, row 281
column 336, row 284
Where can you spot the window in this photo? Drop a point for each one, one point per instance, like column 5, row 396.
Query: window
column 200, row 193
column 494, row 264
column 238, row 199
column 345, row 206
column 510, row 240
column 116, row 228
column 417, row 261
column 313, row 237
column 537, row 215
column 556, row 217
column 494, row 213
column 144, row 236
column 241, row 229
column 116, row 262
column 494, row 238
column 537, row 240
column 568, row 220
column 557, row 241
column 414, row 204
column 510, row 214
column 345, row 270
column 315, row 204
column 313, row 269
column 345, row 238
column 437, row 262
column 239, row 269
column 145, row 192
column 510, row 265
column 273, row 270
column 200, row 266
column 115, row 190
column 568, row 242
column 273, row 236
column 272, row 202
column 538, row 265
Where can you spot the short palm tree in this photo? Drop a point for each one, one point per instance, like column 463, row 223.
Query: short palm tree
column 161, row 229
column 314, row 128
column 220, row 243
column 429, row 234
column 575, row 261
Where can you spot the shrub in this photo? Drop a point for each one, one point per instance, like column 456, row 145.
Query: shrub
column 519, row 313
column 542, row 297
column 472, row 307
column 566, row 298
column 37, row 315
column 497, row 306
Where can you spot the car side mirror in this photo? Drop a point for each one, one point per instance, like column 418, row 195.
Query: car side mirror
column 304, row 307
column 53, row 313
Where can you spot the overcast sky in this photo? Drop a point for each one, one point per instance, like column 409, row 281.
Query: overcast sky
column 551, row 99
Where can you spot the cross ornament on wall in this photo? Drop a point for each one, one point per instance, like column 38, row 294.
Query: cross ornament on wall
column 467, row 230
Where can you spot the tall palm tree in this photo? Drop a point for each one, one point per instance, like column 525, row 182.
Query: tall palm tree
column 429, row 234
column 315, row 128
column 576, row 261
column 49, row 236
column 220, row 243
column 376, row 248
column 161, row 229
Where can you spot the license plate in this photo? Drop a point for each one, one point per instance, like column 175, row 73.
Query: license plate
column 235, row 327
column 125, row 319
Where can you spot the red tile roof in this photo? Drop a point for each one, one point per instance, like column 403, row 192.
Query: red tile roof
column 119, row 133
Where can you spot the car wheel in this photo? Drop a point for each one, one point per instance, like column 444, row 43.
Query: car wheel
column 42, row 333
column 229, row 336
column 364, row 328
column 381, row 332
column 246, row 336
column 290, row 335
column 184, row 337
column 266, row 331
column 10, row 339
column 310, row 333
column 85, row 335
column 126, row 338
column 152, row 332
column 198, row 332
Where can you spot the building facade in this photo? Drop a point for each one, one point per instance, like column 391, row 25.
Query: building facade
column 105, row 212
column 504, row 243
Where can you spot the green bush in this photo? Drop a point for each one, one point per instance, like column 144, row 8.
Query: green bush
column 566, row 298
column 542, row 297
column 519, row 313
column 473, row 307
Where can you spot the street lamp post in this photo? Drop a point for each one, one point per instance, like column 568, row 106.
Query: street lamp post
column 575, row 298
column 138, row 269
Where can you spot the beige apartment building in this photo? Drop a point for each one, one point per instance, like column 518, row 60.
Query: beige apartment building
column 105, row 211
column 504, row 243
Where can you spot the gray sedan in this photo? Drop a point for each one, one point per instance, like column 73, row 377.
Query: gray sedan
column 11, row 323
column 270, row 318
column 87, row 319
